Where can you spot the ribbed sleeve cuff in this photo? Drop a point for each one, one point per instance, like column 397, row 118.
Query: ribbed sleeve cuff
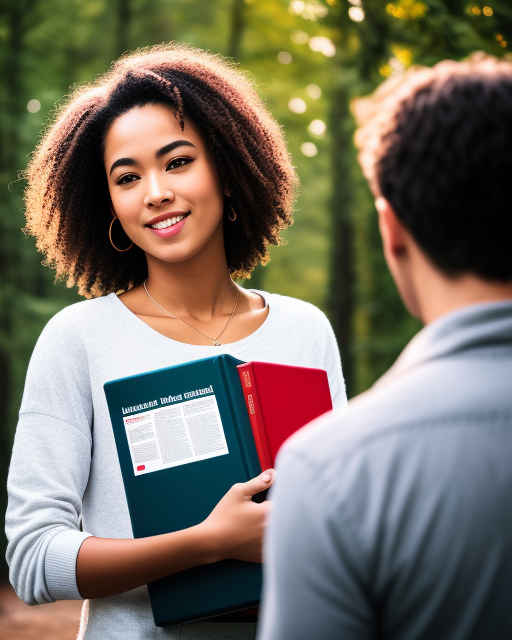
column 60, row 564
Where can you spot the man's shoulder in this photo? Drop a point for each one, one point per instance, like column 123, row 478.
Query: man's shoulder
column 441, row 395
column 369, row 415
column 338, row 434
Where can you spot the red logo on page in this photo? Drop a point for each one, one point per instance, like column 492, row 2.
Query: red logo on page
column 141, row 467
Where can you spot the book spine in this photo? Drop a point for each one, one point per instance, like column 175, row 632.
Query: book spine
column 235, row 400
column 248, row 380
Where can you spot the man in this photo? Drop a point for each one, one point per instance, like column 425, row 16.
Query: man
column 394, row 519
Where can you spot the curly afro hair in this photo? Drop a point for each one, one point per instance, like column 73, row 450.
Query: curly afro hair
column 435, row 143
column 67, row 199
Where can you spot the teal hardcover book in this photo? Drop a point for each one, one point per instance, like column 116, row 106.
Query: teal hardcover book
column 183, row 438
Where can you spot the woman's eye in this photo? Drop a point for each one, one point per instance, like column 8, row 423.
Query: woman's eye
column 178, row 162
column 127, row 178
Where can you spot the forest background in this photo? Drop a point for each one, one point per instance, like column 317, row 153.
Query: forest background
column 310, row 59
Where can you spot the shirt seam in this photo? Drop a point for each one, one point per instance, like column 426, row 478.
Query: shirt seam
column 48, row 415
column 441, row 422
column 351, row 449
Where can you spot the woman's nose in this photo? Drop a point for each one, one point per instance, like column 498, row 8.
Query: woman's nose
column 158, row 191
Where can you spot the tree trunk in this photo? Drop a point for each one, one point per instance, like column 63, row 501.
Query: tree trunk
column 341, row 286
column 238, row 22
column 236, row 33
column 5, row 439
column 11, row 73
column 123, row 20
column 14, row 14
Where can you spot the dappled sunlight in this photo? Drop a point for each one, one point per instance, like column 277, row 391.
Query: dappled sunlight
column 310, row 60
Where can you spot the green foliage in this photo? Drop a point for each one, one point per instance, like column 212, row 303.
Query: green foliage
column 316, row 52
column 46, row 46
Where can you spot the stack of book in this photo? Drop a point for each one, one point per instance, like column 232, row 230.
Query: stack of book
column 184, row 436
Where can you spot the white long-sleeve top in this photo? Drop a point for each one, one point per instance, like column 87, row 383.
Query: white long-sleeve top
column 64, row 466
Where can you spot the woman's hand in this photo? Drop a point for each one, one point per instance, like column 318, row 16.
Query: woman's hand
column 235, row 527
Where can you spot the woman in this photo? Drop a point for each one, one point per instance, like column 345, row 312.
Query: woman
column 152, row 191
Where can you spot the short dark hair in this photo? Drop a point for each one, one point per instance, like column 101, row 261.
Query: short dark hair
column 67, row 199
column 436, row 143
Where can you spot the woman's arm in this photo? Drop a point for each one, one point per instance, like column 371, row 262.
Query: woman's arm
column 234, row 529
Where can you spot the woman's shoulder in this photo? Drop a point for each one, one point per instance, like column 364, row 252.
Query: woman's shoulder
column 81, row 318
column 294, row 320
column 85, row 310
column 293, row 306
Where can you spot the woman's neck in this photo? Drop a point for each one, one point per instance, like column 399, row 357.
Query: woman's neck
column 204, row 299
column 197, row 291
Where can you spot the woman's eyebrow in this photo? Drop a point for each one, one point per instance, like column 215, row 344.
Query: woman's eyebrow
column 173, row 145
column 123, row 162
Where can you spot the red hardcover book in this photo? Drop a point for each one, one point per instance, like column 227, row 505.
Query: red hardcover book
column 280, row 400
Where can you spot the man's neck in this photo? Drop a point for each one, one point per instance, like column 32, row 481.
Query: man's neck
column 438, row 295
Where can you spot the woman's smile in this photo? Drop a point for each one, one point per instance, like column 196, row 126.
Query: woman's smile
column 168, row 224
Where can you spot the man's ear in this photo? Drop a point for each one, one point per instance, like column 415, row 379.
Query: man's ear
column 399, row 253
column 394, row 235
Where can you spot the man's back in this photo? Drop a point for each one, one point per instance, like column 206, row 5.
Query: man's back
column 407, row 497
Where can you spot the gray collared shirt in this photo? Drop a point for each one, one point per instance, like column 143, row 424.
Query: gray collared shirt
column 393, row 518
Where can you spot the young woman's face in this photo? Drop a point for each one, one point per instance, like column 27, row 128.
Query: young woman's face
column 163, row 184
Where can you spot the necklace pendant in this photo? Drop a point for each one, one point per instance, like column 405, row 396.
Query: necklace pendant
column 216, row 343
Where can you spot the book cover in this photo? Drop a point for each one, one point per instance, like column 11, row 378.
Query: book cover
column 280, row 400
column 183, row 438
column 184, row 435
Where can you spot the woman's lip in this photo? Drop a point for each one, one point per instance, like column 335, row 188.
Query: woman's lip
column 166, row 216
column 169, row 231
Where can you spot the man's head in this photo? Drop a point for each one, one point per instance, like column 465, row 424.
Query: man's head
column 435, row 145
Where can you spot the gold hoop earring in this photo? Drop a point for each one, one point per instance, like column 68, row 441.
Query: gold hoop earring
column 232, row 214
column 110, row 237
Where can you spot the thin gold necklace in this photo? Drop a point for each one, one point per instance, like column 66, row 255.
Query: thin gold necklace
column 216, row 342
